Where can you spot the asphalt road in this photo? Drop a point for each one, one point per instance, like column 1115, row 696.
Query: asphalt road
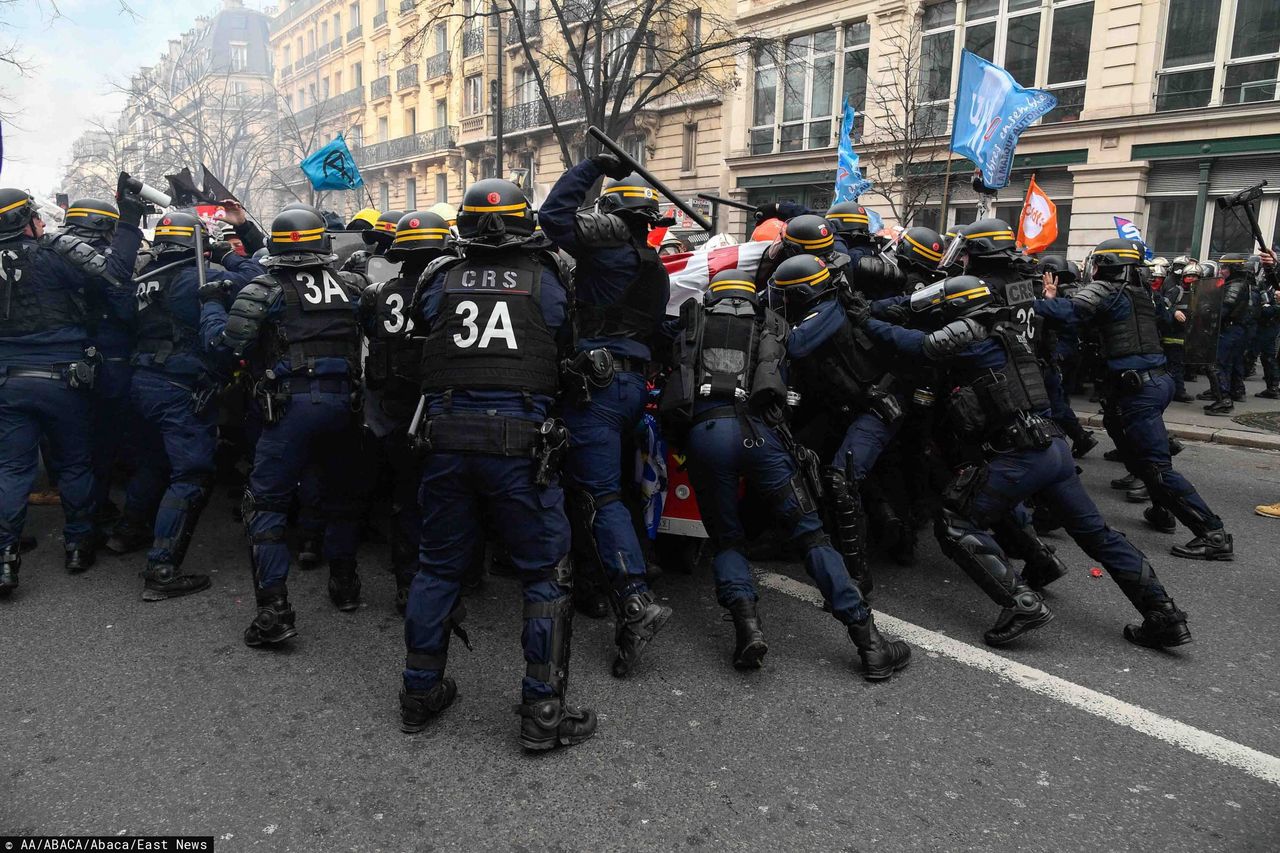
column 120, row 717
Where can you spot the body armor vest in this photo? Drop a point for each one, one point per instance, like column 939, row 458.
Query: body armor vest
column 28, row 305
column 1000, row 398
column 637, row 312
column 1136, row 334
column 726, row 359
column 1239, row 301
column 159, row 332
column 394, row 363
column 319, row 320
column 490, row 334
column 840, row 372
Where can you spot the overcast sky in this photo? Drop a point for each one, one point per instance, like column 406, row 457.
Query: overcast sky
column 74, row 57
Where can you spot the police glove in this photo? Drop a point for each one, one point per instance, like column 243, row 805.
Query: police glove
column 952, row 338
column 898, row 313
column 609, row 165
column 215, row 291
column 131, row 207
column 357, row 263
column 857, row 309
column 880, row 271
column 219, row 251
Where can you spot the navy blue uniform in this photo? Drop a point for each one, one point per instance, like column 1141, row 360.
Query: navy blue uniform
column 1266, row 337
column 35, row 397
column 1241, row 304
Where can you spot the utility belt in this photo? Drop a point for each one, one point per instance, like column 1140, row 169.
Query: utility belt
column 274, row 394
column 545, row 443
column 1027, row 432
column 1131, row 381
column 75, row 374
column 594, row 369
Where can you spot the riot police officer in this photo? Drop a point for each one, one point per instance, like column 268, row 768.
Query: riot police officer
column 1137, row 390
column 726, row 397
column 47, row 367
column 1265, row 341
column 852, row 222
column 917, row 254
column 296, row 326
column 998, row 411
column 392, row 373
column 1055, row 270
column 496, row 322
column 1241, row 303
column 806, row 234
column 1180, row 278
column 377, row 238
column 176, row 376
column 621, row 292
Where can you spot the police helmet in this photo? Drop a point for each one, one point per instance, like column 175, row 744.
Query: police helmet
column 419, row 231
column 988, row 237
column 953, row 298
column 633, row 195
column 300, row 231
column 808, row 234
column 798, row 283
column 17, row 209
column 849, row 217
column 177, row 230
column 383, row 230
column 731, row 284
column 1061, row 267
column 363, row 221
column 1117, row 252
column 1240, row 263
column 920, row 247
column 492, row 209
column 91, row 216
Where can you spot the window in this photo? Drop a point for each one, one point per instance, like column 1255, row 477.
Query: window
column 324, row 89
column 1201, row 69
column 689, row 148
column 353, row 15
column 311, row 90
column 324, row 33
column 442, row 112
column 473, row 94
column 382, row 128
column 357, row 74
column 239, row 55
column 337, row 26
column 442, row 188
column 793, row 92
column 411, row 194
column 441, row 39
column 634, row 145
column 384, row 196
column 337, row 81
column 357, row 136
column 693, row 28
column 857, row 41
column 410, row 121
column 937, row 52
column 525, row 86
column 288, row 55
column 1170, row 223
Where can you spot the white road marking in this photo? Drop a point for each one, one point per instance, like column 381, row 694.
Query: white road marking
column 1206, row 744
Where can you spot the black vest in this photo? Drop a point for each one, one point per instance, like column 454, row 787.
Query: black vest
column 490, row 334
column 638, row 311
column 28, row 304
column 319, row 319
column 159, row 332
column 1136, row 334
column 394, row 363
column 839, row 373
column 727, row 356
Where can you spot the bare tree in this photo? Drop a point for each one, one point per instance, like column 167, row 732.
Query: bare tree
column 98, row 156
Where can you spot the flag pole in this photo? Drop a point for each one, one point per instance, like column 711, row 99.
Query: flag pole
column 1022, row 214
column 946, row 189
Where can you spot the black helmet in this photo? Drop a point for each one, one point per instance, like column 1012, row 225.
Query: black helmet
column 299, row 231
column 1236, row 263
column 493, row 208
column 419, row 231
column 91, row 216
column 849, row 217
column 17, row 209
column 953, row 298
column 383, row 230
column 731, row 284
column 1061, row 267
column 920, row 247
column 632, row 194
column 177, row 230
column 808, row 234
column 988, row 237
column 298, row 205
column 798, row 283
column 1118, row 252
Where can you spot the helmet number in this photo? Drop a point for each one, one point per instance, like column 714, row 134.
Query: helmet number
column 146, row 291
column 313, row 293
column 498, row 327
column 399, row 320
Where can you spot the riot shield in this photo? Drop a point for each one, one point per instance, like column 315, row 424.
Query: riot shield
column 345, row 244
column 382, row 270
column 1204, row 317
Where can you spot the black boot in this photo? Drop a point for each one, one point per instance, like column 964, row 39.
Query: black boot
column 1175, row 445
column 129, row 535
column 639, row 622
column 881, row 658
column 1271, row 393
column 749, row 648
column 344, row 585
column 1183, row 397
column 1027, row 613
column 1042, row 567
column 275, row 620
column 1160, row 519
column 80, row 558
column 164, row 580
column 404, row 579
column 548, row 723
column 1083, row 443
column 1163, row 626
column 418, row 707
column 1139, row 495
column 10, row 562
column 1113, row 455
column 1222, row 407
column 1126, row 483
column 1208, row 395
column 1213, row 545
column 310, row 553
column 106, row 516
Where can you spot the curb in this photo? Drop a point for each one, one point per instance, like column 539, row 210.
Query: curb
column 1212, row 435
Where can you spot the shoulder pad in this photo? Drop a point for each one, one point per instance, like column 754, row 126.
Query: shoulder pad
column 249, row 312
column 1092, row 295
column 438, row 266
column 953, row 337
column 774, row 323
column 78, row 252
column 600, row 230
column 554, row 260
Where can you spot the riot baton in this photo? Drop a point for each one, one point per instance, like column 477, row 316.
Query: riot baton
column 727, row 202
column 1245, row 198
column 630, row 162
column 198, row 232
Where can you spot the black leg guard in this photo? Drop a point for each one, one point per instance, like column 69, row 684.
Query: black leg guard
column 594, row 595
column 848, row 525
column 274, row 622
column 130, row 534
column 10, row 562
column 193, row 508
column 749, row 646
column 1164, row 496
column 1041, row 563
column 640, row 620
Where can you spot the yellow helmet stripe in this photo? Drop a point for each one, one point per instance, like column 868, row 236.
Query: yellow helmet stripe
column 820, row 274
column 14, row 206
column 408, row 231
column 85, row 211
column 175, row 230
column 820, row 243
column 495, row 208
column 923, row 249
column 638, row 192
column 1007, row 235
column 1231, row 261
column 409, row 238
column 726, row 285
column 972, row 293
column 849, row 217
column 285, row 235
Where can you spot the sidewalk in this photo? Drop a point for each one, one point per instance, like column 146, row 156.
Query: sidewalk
column 1188, row 420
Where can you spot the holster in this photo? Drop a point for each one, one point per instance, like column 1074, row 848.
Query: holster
column 272, row 402
column 585, row 371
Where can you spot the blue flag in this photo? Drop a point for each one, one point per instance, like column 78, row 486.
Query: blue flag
column 849, row 181
column 992, row 110
column 332, row 167
column 1127, row 229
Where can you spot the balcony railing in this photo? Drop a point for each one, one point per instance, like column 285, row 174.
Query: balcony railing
column 476, row 124
column 407, row 6
column 322, row 51
column 435, row 66
column 575, row 11
column 336, row 44
column 379, row 20
column 286, row 70
column 308, row 60
column 534, row 114
column 330, row 107
column 408, row 147
column 532, row 27
column 407, row 77
column 472, row 41
column 380, row 88
column 355, row 33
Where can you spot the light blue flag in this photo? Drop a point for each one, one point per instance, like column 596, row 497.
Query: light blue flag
column 849, row 181
column 992, row 110
column 332, row 167
column 1129, row 230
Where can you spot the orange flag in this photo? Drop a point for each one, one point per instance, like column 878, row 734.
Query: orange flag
column 1038, row 227
column 657, row 235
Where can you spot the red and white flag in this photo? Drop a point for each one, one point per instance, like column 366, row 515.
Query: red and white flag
column 691, row 272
